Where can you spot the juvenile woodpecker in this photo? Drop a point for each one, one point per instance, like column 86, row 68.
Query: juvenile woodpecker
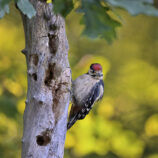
column 87, row 89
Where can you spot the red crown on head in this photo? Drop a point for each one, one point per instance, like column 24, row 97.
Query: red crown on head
column 96, row 67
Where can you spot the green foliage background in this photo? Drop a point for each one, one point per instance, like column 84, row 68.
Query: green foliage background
column 125, row 123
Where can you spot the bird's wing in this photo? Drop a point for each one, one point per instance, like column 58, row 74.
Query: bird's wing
column 94, row 95
column 73, row 115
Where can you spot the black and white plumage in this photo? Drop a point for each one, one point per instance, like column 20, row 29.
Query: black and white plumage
column 87, row 89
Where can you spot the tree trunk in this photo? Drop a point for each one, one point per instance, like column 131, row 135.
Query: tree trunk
column 49, row 83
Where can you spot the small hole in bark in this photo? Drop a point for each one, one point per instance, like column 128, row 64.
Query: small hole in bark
column 40, row 140
column 35, row 59
column 49, row 74
column 51, row 36
column 34, row 75
column 43, row 140
column 53, row 43
column 53, row 27
column 43, row 0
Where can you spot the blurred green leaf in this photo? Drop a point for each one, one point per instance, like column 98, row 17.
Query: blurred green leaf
column 4, row 7
column 63, row 7
column 135, row 7
column 4, row 2
column 4, row 10
column 97, row 21
column 26, row 7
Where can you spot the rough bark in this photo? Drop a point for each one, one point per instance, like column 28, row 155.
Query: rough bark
column 49, row 81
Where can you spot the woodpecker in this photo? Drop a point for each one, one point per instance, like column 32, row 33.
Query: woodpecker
column 87, row 89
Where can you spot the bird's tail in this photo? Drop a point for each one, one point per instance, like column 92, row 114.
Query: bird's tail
column 71, row 122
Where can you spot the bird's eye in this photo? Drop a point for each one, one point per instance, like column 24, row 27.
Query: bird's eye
column 91, row 70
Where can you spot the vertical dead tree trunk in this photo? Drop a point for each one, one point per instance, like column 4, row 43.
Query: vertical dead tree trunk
column 49, row 82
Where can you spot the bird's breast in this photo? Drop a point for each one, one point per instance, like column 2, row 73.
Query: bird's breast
column 82, row 87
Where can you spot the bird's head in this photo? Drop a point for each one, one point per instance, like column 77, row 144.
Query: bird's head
column 95, row 71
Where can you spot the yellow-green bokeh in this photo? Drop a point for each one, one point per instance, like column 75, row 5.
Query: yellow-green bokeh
column 124, row 124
